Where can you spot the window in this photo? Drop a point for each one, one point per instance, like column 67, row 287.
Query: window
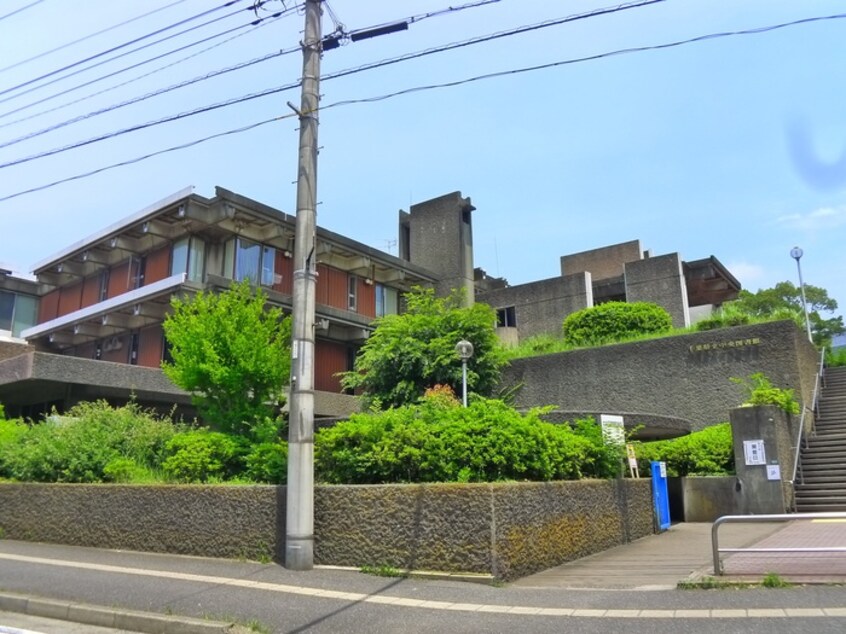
column 133, row 349
column 506, row 317
column 136, row 271
column 352, row 292
column 387, row 300
column 189, row 258
column 104, row 285
column 268, row 266
column 246, row 260
column 7, row 310
column 17, row 312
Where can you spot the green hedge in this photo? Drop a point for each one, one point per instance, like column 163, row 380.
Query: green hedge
column 435, row 442
column 706, row 452
column 615, row 321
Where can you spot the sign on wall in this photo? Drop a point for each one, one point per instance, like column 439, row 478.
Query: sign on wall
column 753, row 452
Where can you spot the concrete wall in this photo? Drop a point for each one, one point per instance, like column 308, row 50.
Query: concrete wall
column 507, row 529
column 441, row 240
column 685, row 377
column 757, row 493
column 540, row 307
column 702, row 498
column 603, row 262
column 659, row 280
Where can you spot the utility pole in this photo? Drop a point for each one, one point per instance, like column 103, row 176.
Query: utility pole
column 299, row 522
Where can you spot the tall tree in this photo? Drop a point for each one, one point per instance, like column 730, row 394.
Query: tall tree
column 408, row 353
column 786, row 299
column 233, row 354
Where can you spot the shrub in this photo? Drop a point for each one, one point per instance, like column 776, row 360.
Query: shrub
column 760, row 391
column 706, row 452
column 485, row 442
column 201, row 455
column 728, row 315
column 615, row 321
column 268, row 462
column 835, row 358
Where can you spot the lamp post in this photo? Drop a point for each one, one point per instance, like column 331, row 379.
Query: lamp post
column 464, row 349
column 796, row 253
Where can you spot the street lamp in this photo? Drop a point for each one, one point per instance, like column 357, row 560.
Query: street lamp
column 796, row 253
column 464, row 349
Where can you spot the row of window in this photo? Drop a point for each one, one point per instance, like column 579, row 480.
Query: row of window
column 17, row 312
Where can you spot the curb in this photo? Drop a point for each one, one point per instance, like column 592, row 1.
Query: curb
column 434, row 575
column 132, row 620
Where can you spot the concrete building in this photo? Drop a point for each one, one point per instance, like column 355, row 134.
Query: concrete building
column 104, row 298
column 689, row 291
column 90, row 323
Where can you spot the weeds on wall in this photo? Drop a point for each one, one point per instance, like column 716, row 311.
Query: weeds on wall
column 760, row 391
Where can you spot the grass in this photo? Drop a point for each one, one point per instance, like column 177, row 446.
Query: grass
column 382, row 570
column 551, row 344
column 770, row 580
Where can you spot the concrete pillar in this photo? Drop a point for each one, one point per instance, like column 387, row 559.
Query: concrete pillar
column 659, row 280
column 758, row 490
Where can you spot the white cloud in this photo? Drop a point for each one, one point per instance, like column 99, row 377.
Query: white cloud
column 748, row 274
column 818, row 219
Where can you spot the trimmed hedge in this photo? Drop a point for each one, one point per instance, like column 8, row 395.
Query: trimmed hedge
column 615, row 321
column 706, row 452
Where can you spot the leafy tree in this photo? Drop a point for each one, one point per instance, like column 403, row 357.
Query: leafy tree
column 407, row 354
column 233, row 354
column 785, row 300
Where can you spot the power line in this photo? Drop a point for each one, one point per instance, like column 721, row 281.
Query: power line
column 625, row 51
column 138, row 159
column 87, row 37
column 149, row 95
column 116, row 48
column 259, row 23
column 271, row 91
column 210, row 75
column 120, row 85
column 23, row 8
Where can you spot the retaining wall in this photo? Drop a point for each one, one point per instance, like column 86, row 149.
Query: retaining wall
column 686, row 376
column 504, row 529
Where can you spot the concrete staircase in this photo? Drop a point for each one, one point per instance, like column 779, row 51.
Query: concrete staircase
column 823, row 460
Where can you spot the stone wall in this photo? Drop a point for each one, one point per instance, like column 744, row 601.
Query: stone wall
column 683, row 377
column 504, row 529
column 659, row 280
column 541, row 306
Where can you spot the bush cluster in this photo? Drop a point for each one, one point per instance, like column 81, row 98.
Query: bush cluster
column 436, row 441
column 761, row 391
column 705, row 452
column 615, row 321
column 95, row 442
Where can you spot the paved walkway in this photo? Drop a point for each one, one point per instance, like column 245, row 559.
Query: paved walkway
column 684, row 553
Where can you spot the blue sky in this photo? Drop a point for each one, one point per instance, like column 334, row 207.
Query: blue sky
column 733, row 147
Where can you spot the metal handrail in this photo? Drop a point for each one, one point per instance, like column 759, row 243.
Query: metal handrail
column 800, row 437
column 786, row 517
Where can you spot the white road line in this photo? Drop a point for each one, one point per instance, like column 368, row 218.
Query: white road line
column 756, row 613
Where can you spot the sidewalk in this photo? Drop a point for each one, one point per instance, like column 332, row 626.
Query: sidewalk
column 684, row 552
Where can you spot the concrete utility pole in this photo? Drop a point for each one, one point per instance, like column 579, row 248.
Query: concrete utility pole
column 299, row 523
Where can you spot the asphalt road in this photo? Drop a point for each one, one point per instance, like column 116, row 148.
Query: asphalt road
column 348, row 601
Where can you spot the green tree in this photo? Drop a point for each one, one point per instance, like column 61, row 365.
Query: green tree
column 234, row 355
column 407, row 354
column 785, row 300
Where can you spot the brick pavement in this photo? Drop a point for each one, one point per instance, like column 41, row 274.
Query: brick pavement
column 814, row 567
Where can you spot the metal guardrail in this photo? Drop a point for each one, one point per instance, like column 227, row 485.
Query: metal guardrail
column 800, row 437
column 755, row 519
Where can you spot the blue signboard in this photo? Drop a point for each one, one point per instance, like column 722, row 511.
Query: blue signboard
column 660, row 498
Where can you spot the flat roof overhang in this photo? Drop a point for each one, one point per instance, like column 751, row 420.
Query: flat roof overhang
column 226, row 215
column 709, row 282
column 129, row 311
